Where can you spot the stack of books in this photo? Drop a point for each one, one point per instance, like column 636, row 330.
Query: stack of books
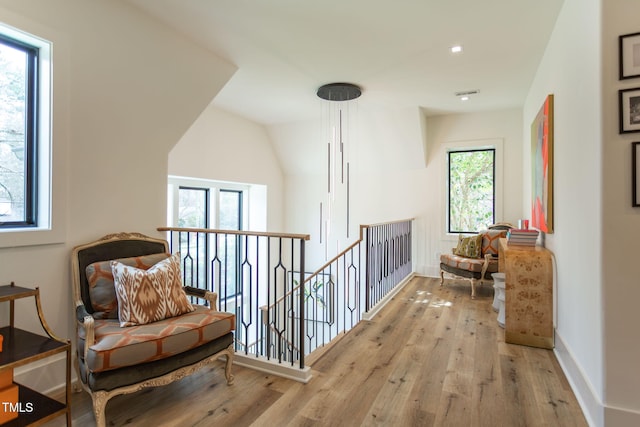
column 522, row 237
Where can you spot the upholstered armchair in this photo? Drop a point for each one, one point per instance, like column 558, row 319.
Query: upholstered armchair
column 475, row 258
column 136, row 325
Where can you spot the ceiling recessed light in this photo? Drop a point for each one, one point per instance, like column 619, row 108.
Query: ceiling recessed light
column 456, row 49
column 464, row 98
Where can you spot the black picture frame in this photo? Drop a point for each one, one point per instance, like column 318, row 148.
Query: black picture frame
column 635, row 174
column 629, row 55
column 629, row 110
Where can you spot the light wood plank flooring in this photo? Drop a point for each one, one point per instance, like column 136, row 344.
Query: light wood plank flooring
column 431, row 357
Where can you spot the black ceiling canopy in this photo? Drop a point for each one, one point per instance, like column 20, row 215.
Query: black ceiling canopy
column 339, row 92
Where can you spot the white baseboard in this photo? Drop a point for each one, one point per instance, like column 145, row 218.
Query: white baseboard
column 284, row 369
column 47, row 376
column 621, row 417
column 589, row 401
column 374, row 310
column 432, row 271
column 595, row 411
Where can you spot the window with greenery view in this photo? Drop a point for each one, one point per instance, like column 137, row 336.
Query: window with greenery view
column 193, row 212
column 18, row 133
column 206, row 204
column 471, row 192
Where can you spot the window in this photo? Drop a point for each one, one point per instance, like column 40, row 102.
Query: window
column 32, row 179
column 471, row 189
column 193, row 207
column 209, row 204
column 193, row 212
column 18, row 134
column 230, row 248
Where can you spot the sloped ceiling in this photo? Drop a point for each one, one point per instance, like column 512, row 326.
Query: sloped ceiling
column 398, row 52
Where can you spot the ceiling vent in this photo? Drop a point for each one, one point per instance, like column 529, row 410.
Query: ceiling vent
column 467, row 92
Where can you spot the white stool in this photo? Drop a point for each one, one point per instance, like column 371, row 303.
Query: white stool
column 498, row 296
column 496, row 303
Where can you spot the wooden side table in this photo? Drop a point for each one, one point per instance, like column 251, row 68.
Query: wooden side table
column 529, row 294
column 19, row 348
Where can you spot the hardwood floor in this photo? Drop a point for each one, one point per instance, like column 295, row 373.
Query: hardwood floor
column 432, row 356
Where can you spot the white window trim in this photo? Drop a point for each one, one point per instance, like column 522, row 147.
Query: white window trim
column 175, row 182
column 495, row 143
column 214, row 187
column 51, row 226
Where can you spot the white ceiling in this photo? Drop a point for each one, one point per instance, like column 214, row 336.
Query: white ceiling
column 397, row 51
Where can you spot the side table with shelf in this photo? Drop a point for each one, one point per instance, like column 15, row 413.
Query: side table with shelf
column 19, row 348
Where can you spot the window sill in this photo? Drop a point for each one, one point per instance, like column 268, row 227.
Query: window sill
column 13, row 238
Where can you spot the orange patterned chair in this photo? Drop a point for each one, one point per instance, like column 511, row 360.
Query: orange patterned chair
column 136, row 326
column 475, row 258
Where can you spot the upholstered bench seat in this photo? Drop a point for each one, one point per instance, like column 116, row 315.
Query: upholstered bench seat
column 469, row 264
column 116, row 347
column 115, row 379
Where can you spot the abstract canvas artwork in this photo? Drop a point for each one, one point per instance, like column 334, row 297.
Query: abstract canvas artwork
column 542, row 168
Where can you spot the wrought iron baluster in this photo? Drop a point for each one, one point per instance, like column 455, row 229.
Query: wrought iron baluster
column 275, row 318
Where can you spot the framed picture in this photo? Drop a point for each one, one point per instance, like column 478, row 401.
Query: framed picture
column 318, row 297
column 542, row 168
column 629, row 47
column 629, row 100
column 635, row 173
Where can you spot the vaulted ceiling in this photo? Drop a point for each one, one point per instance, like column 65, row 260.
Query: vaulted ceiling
column 398, row 52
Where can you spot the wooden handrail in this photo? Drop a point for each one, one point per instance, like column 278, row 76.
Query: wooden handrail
column 354, row 244
column 337, row 257
column 385, row 223
column 236, row 232
column 243, row 233
column 354, row 266
column 318, row 271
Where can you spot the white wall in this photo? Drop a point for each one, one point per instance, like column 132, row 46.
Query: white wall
column 125, row 90
column 570, row 70
column 402, row 188
column 620, row 230
column 504, row 125
column 387, row 166
column 225, row 147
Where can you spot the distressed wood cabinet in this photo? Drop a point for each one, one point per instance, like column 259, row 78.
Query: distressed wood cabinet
column 528, row 294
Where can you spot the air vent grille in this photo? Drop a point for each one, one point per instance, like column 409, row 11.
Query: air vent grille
column 467, row 92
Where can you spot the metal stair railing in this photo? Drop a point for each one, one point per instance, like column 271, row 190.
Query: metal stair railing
column 283, row 314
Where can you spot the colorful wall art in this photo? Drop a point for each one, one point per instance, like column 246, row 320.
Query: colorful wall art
column 542, row 168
